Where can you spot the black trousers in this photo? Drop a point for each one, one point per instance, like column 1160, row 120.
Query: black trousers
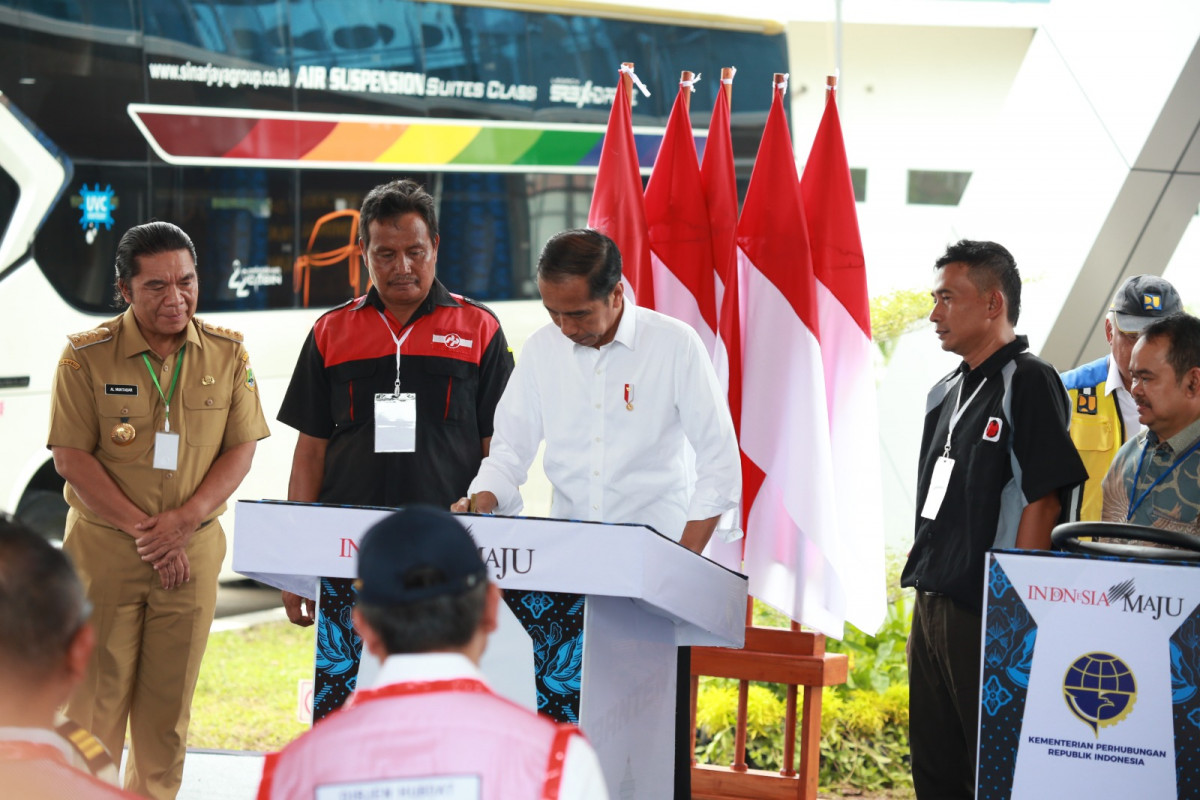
column 944, row 697
column 683, row 725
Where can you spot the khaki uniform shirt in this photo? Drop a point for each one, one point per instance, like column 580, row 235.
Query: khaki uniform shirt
column 102, row 381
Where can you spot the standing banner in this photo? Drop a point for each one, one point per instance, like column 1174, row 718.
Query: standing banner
column 617, row 208
column 792, row 554
column 720, row 193
column 681, row 255
column 1090, row 677
column 846, row 351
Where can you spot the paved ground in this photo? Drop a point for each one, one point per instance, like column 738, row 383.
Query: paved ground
column 220, row 775
column 244, row 596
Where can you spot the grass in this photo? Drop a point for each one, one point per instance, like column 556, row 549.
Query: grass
column 246, row 694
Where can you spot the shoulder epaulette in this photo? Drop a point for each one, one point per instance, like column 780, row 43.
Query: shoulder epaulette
column 88, row 746
column 224, row 333
column 88, row 338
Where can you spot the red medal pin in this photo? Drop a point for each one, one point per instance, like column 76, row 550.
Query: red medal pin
column 629, row 397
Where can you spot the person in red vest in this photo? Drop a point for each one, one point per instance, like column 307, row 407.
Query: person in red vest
column 45, row 642
column 431, row 726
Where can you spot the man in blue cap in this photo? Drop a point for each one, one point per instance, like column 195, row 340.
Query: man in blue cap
column 431, row 726
column 1103, row 413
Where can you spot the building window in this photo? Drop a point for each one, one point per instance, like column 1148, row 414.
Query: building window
column 858, row 177
column 933, row 188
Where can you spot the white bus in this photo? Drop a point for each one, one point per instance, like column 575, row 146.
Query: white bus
column 259, row 126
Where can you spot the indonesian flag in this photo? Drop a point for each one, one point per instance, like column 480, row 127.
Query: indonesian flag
column 792, row 555
column 720, row 191
column 844, row 311
column 617, row 209
column 677, row 220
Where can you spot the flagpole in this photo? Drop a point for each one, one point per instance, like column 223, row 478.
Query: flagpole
column 627, row 81
column 727, row 83
column 831, row 89
column 685, row 77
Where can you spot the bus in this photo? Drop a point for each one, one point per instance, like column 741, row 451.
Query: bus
column 259, row 125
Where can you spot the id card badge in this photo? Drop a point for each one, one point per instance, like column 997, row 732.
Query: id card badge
column 396, row 423
column 166, row 450
column 937, row 487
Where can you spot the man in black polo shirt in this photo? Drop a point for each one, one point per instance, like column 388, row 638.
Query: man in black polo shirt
column 996, row 470
column 394, row 392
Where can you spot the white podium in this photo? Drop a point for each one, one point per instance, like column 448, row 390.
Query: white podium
column 595, row 614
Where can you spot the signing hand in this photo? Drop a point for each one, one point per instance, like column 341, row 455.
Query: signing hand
column 479, row 503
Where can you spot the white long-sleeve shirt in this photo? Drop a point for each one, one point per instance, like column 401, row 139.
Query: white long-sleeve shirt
column 616, row 420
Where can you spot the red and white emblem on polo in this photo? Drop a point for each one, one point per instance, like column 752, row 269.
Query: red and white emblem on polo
column 991, row 433
column 452, row 340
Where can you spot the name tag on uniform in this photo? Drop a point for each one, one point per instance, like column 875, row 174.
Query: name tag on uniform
column 447, row 787
column 396, row 423
column 937, row 487
column 166, row 450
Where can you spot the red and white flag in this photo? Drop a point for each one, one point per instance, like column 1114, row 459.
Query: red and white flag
column 720, row 192
column 846, row 350
column 677, row 221
column 617, row 208
column 792, row 553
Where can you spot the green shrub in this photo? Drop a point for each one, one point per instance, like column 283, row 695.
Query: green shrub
column 864, row 740
column 716, row 718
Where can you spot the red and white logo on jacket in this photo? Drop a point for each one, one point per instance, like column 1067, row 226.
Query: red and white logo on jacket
column 452, row 340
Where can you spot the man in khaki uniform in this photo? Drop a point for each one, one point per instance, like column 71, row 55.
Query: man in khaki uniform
column 153, row 424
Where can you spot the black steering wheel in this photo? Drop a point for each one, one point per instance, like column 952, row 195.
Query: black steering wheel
column 1181, row 546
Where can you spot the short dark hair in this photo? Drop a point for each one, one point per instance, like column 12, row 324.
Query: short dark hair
column 149, row 239
column 990, row 266
column 1182, row 332
column 445, row 622
column 394, row 199
column 42, row 604
column 582, row 253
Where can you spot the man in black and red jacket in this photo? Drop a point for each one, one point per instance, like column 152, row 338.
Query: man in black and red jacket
column 407, row 336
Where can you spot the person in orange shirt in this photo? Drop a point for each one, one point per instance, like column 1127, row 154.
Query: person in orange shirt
column 45, row 642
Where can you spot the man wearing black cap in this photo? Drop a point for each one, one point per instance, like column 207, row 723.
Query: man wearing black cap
column 430, row 726
column 1103, row 413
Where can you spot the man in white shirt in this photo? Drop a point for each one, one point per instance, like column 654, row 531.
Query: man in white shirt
column 431, row 727
column 617, row 393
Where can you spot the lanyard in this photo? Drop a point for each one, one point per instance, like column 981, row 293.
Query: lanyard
column 1133, row 504
column 409, row 688
column 399, row 340
column 959, row 411
column 11, row 750
column 174, row 379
